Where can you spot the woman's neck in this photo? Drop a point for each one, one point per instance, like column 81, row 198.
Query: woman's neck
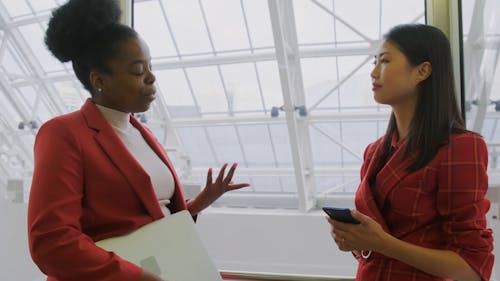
column 404, row 115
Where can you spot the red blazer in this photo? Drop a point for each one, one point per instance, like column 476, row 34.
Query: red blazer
column 440, row 206
column 87, row 187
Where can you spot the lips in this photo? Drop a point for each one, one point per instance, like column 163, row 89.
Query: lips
column 376, row 86
column 150, row 93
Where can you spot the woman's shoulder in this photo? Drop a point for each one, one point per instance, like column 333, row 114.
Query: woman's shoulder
column 66, row 121
column 466, row 138
column 464, row 146
column 375, row 144
column 372, row 147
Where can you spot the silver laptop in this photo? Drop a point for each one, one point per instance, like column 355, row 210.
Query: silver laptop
column 169, row 247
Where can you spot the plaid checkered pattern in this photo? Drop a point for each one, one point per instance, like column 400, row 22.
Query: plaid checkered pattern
column 440, row 206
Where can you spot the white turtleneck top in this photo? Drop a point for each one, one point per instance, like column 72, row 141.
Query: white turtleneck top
column 161, row 177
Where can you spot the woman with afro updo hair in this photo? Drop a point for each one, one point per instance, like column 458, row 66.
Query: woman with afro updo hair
column 98, row 172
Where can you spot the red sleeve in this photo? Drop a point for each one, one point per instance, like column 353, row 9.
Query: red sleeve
column 56, row 241
column 463, row 183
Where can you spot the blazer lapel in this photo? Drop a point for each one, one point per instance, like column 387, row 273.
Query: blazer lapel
column 393, row 172
column 365, row 199
column 387, row 178
column 178, row 197
column 122, row 159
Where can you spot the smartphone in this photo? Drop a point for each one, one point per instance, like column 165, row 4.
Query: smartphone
column 341, row 214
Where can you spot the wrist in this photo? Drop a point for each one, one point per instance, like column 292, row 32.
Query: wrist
column 199, row 203
column 385, row 244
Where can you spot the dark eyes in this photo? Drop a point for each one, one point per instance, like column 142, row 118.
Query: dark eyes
column 381, row 61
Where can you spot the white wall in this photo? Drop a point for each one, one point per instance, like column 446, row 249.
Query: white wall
column 15, row 261
column 253, row 240
column 273, row 241
column 285, row 241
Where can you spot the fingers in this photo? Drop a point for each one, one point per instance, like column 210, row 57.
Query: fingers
column 330, row 220
column 339, row 235
column 341, row 242
column 340, row 225
column 338, row 239
column 221, row 173
column 230, row 174
column 238, row 186
column 209, row 177
column 225, row 182
column 359, row 216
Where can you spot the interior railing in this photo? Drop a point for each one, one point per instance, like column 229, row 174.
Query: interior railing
column 257, row 276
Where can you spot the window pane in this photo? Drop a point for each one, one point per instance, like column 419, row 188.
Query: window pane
column 270, row 83
column 259, row 23
column 228, row 24
column 337, row 184
column 175, row 88
column 33, row 34
column 266, row 184
column 208, row 89
column 407, row 11
column 195, row 142
column 187, row 25
column 72, row 94
column 42, row 5
column 242, row 88
column 325, row 139
column 226, row 144
column 152, row 27
column 9, row 112
column 281, row 140
column 356, row 92
column 28, row 96
column 313, row 24
column 16, row 7
column 481, row 27
column 351, row 12
column 12, row 63
column 257, row 146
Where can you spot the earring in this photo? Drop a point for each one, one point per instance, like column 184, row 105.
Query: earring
column 99, row 89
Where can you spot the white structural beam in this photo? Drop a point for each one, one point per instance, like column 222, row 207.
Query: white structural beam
column 261, row 120
column 176, row 63
column 266, row 172
column 287, row 54
column 268, row 55
column 126, row 7
column 444, row 14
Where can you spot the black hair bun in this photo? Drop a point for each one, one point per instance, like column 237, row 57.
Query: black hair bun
column 74, row 25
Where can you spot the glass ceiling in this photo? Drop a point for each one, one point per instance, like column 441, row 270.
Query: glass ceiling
column 219, row 73
column 224, row 68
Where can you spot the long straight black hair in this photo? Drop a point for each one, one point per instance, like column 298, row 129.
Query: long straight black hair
column 436, row 114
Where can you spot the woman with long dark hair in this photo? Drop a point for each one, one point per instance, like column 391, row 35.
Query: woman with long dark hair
column 421, row 201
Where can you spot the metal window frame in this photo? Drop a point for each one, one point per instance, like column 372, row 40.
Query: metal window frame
column 444, row 14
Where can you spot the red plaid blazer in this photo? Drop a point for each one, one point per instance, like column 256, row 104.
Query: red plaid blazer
column 440, row 206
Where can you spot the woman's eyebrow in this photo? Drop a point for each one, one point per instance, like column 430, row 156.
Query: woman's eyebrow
column 381, row 54
column 137, row 62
